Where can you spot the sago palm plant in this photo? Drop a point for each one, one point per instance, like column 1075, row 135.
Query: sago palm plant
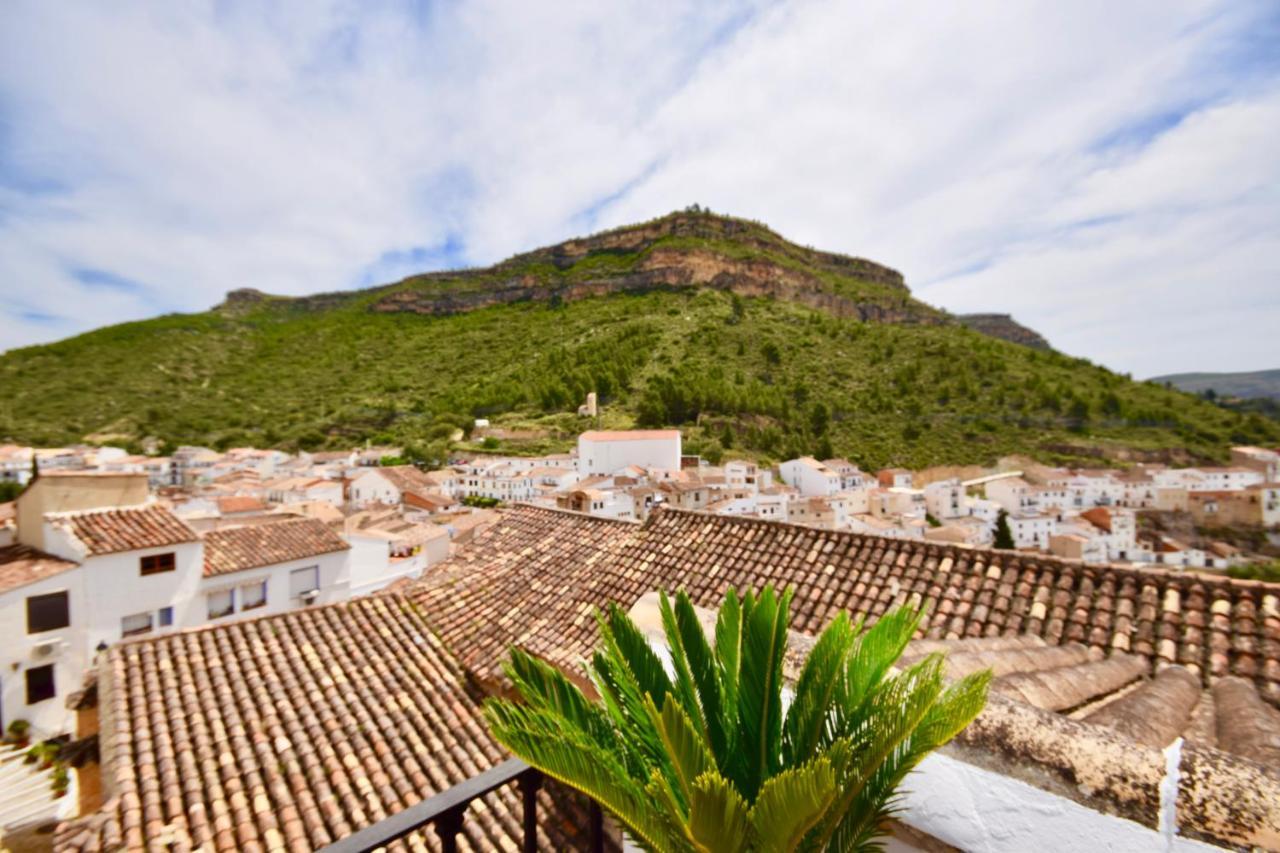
column 699, row 749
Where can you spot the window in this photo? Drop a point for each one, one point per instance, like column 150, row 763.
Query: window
column 253, row 595
column 166, row 617
column 157, row 563
column 40, row 684
column 138, row 623
column 304, row 580
column 47, row 612
column 221, row 603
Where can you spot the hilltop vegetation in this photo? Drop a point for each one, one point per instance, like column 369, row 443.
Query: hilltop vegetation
column 762, row 375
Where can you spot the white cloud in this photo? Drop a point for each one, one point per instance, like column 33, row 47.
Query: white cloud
column 296, row 151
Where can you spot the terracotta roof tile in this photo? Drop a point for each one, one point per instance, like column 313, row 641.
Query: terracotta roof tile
column 110, row 531
column 240, row 503
column 534, row 578
column 233, row 549
column 21, row 565
column 292, row 731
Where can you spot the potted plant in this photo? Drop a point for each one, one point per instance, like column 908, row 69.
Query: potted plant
column 43, row 752
column 19, row 733
column 704, row 754
column 61, row 780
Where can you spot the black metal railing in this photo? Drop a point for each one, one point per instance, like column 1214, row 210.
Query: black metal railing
column 446, row 811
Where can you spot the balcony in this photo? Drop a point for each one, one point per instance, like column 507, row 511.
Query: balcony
column 446, row 812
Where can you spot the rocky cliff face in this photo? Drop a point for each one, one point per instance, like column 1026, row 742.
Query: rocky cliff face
column 676, row 252
column 685, row 250
column 1003, row 326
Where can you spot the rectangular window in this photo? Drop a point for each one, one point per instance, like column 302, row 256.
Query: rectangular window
column 253, row 595
column 221, row 603
column 40, row 684
column 304, row 580
column 157, row 563
column 138, row 623
column 165, row 617
column 47, row 612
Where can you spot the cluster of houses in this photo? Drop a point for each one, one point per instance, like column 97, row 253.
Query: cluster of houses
column 103, row 544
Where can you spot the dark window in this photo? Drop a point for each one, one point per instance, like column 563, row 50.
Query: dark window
column 47, row 612
column 157, row 563
column 40, row 684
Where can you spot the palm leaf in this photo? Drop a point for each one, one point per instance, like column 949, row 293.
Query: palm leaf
column 718, row 816
column 702, row 666
column 683, row 687
column 760, row 690
column 791, row 803
column 815, row 692
column 688, row 752
column 565, row 754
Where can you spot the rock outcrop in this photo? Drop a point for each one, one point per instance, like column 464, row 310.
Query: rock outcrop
column 1003, row 326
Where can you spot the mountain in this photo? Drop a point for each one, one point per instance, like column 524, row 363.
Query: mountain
column 719, row 325
column 1004, row 327
column 1258, row 383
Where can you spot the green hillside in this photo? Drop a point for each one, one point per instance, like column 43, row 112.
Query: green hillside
column 750, row 343
column 1257, row 383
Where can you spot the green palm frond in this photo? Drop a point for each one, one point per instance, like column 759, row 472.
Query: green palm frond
column 697, row 754
column 791, row 802
column 719, row 818
column 764, row 640
column 816, row 689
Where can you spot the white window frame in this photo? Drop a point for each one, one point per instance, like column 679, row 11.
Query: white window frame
column 253, row 587
column 298, row 586
column 230, row 592
column 126, row 631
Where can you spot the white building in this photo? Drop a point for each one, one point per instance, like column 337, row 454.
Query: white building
column 96, row 562
column 811, row 477
column 850, row 475
column 1014, row 494
column 607, row 451
column 388, row 485
column 15, row 464
column 1031, row 530
column 945, row 499
column 1260, row 459
column 258, row 569
column 742, row 473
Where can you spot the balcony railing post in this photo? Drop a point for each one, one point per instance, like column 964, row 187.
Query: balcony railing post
column 447, row 826
column 529, row 783
column 596, row 817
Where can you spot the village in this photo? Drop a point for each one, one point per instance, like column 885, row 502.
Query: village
column 101, row 545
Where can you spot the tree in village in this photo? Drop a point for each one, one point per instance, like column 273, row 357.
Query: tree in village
column 1004, row 536
column 699, row 752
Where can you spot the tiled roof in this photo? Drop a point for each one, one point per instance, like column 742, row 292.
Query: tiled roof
column 524, row 577
column 110, row 531
column 233, row 549
column 1119, row 692
column 240, row 503
column 289, row 732
column 22, row 564
column 630, row 434
column 534, row 578
column 406, row 478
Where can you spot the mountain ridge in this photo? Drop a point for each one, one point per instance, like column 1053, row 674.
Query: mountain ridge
column 1245, row 384
column 748, row 342
column 682, row 250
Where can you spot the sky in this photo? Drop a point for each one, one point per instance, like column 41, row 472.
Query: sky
column 1109, row 173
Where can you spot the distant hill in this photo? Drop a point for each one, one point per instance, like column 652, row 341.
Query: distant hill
column 1004, row 327
column 1258, row 383
column 750, row 343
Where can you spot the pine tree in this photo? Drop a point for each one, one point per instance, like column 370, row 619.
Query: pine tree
column 1004, row 536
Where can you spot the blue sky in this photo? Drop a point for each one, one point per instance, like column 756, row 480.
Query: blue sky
column 1105, row 171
